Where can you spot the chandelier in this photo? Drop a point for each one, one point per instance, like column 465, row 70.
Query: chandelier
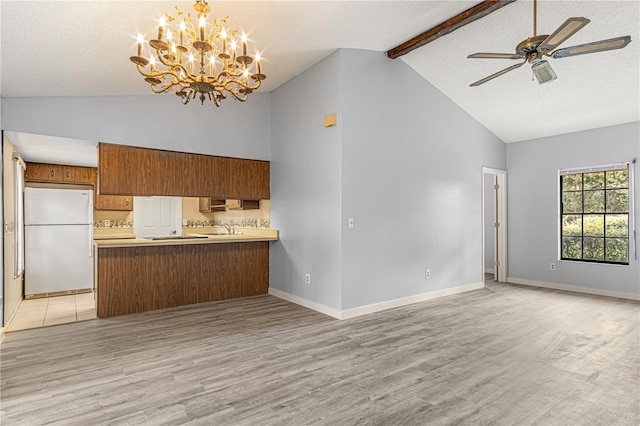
column 195, row 60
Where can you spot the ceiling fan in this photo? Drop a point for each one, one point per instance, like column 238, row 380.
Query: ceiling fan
column 534, row 48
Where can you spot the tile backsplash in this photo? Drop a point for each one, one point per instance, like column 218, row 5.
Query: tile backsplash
column 234, row 223
column 112, row 219
column 256, row 219
column 112, row 224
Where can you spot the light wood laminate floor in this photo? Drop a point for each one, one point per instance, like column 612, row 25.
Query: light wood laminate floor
column 504, row 355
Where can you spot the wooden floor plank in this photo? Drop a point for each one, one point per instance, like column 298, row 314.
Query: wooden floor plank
column 505, row 354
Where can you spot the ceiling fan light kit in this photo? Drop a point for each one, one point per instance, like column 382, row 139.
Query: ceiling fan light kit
column 543, row 72
column 534, row 48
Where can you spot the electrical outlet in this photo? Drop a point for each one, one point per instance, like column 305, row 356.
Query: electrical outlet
column 427, row 273
column 107, row 223
column 307, row 279
column 351, row 222
column 552, row 266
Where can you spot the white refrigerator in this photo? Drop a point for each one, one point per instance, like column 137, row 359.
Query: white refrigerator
column 58, row 242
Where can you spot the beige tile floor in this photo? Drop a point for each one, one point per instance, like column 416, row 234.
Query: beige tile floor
column 35, row 313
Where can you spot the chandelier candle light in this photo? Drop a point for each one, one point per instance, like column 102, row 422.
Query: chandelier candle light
column 219, row 70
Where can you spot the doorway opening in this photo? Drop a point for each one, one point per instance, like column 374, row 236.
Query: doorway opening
column 494, row 223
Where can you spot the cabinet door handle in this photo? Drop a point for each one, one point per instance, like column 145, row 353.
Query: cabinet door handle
column 52, row 172
column 68, row 173
column 126, row 203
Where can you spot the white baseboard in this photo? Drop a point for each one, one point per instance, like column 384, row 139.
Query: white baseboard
column 489, row 271
column 574, row 288
column 319, row 307
column 375, row 307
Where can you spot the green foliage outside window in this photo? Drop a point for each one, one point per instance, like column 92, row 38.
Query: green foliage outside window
column 595, row 216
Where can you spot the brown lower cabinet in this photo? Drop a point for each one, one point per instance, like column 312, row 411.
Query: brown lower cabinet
column 139, row 279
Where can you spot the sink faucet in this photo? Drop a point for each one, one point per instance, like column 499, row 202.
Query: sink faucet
column 228, row 228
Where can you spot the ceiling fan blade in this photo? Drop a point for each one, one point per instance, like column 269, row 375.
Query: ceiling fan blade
column 593, row 47
column 498, row 74
column 495, row 55
column 564, row 31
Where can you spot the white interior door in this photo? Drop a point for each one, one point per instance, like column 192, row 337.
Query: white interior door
column 157, row 216
column 495, row 187
column 497, row 232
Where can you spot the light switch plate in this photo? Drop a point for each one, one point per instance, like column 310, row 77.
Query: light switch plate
column 351, row 222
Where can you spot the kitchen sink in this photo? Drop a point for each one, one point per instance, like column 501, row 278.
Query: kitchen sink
column 177, row 237
column 220, row 233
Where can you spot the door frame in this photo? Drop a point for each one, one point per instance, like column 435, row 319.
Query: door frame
column 500, row 215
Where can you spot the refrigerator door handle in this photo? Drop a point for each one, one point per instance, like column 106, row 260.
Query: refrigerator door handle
column 90, row 244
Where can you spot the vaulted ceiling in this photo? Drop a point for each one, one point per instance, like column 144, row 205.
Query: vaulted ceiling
column 81, row 48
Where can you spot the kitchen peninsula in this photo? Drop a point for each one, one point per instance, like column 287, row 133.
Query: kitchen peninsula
column 142, row 274
column 138, row 275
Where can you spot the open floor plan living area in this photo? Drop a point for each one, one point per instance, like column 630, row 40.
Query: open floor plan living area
column 320, row 213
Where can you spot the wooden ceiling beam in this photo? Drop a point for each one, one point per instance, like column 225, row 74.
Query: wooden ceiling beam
column 460, row 20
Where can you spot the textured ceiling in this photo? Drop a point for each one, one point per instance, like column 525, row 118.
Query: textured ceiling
column 78, row 48
column 81, row 48
column 591, row 91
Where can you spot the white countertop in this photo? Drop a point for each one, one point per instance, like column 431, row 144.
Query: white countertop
column 248, row 235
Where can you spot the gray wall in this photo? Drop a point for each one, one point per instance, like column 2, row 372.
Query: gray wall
column 533, row 206
column 306, row 185
column 412, row 178
column 2, row 222
column 404, row 161
column 159, row 121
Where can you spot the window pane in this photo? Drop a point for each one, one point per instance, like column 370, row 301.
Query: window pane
column 617, row 225
column 617, row 250
column 594, row 201
column 594, row 225
column 595, row 216
column 571, row 225
column 571, row 248
column 572, row 182
column 572, row 202
column 593, row 248
column 618, row 201
column 618, row 179
column 594, row 180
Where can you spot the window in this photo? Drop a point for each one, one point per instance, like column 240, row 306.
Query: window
column 594, row 215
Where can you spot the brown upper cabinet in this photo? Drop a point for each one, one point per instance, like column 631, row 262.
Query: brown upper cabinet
column 55, row 173
column 71, row 174
column 127, row 170
column 113, row 202
column 211, row 205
